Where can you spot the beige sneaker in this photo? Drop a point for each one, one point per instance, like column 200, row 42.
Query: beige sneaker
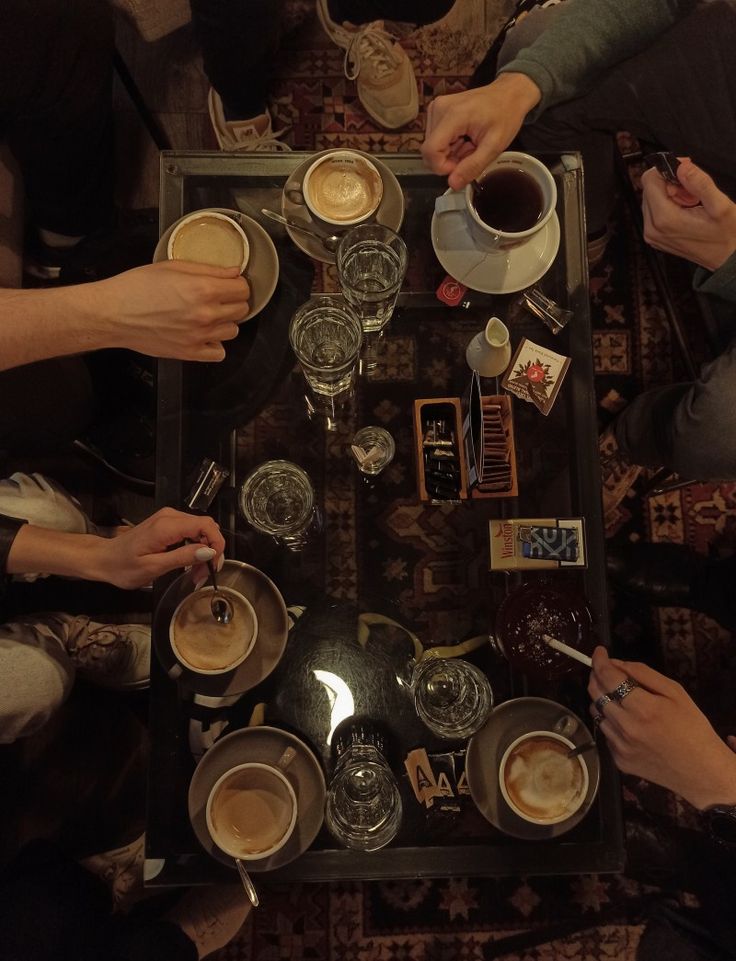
column 211, row 916
column 112, row 655
column 256, row 133
column 618, row 475
column 385, row 79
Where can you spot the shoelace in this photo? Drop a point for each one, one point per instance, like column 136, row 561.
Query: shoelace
column 373, row 44
column 265, row 143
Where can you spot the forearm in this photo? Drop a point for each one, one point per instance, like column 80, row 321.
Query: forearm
column 587, row 38
column 720, row 787
column 40, row 550
column 38, row 324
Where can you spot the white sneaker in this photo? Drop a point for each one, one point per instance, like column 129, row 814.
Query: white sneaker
column 378, row 63
column 256, row 133
column 122, row 871
column 211, row 916
column 112, row 655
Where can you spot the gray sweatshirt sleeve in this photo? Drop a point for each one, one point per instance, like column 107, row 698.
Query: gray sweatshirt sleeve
column 720, row 283
column 587, row 38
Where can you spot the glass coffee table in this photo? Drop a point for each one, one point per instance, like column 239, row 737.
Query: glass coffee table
column 382, row 561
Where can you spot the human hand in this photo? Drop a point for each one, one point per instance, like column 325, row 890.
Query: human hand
column 172, row 309
column 467, row 131
column 658, row 733
column 140, row 554
column 706, row 234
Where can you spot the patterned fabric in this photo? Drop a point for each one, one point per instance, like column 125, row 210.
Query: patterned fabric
column 591, row 917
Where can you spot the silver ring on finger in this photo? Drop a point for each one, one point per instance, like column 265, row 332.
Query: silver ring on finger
column 598, row 719
column 623, row 690
column 602, row 701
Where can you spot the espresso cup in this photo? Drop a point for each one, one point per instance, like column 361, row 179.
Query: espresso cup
column 203, row 644
column 342, row 188
column 252, row 810
column 539, row 782
column 208, row 237
column 517, row 188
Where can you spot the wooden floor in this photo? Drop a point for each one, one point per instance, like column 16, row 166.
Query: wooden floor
column 173, row 83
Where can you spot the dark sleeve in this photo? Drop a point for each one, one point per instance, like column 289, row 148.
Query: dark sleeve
column 9, row 527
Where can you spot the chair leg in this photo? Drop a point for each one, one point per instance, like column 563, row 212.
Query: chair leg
column 154, row 128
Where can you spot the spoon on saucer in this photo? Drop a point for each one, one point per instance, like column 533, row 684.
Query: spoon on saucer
column 329, row 241
column 221, row 608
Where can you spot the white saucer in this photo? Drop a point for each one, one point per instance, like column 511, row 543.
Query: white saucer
column 390, row 211
column 486, row 748
column 262, row 269
column 493, row 271
column 266, row 745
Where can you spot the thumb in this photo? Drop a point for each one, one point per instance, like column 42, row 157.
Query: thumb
column 195, row 269
column 731, row 741
column 701, row 185
column 472, row 166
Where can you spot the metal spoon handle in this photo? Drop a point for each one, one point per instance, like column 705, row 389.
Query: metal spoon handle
column 582, row 748
column 250, row 889
column 213, row 575
column 294, row 224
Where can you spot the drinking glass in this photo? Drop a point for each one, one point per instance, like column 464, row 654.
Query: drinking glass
column 452, row 697
column 363, row 809
column 378, row 445
column 277, row 498
column 326, row 336
column 371, row 263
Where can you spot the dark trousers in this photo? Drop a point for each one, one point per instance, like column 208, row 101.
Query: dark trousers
column 239, row 40
column 56, row 108
column 51, row 909
column 687, row 427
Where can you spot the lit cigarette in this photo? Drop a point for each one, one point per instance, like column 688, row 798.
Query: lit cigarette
column 566, row 649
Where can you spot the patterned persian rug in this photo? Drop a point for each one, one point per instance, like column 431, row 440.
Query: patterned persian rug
column 452, row 920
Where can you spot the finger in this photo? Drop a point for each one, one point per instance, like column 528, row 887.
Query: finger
column 473, row 165
column 233, row 313
column 615, row 718
column 162, row 563
column 731, row 741
column 234, row 291
column 175, row 526
column 212, row 535
column 681, row 197
column 607, row 674
column 199, row 270
column 698, row 183
column 648, row 678
column 451, row 126
column 613, row 736
column 210, row 353
column 226, row 332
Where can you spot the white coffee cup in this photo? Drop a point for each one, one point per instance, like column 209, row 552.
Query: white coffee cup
column 342, row 188
column 252, row 809
column 208, row 237
column 204, row 645
column 493, row 237
column 543, row 786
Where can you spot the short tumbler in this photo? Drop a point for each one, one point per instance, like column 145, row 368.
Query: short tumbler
column 371, row 263
column 277, row 498
column 452, row 697
column 326, row 336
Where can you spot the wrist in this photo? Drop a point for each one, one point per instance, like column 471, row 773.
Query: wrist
column 718, row 786
column 521, row 88
column 101, row 316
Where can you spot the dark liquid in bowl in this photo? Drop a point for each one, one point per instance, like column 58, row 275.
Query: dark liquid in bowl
column 510, row 200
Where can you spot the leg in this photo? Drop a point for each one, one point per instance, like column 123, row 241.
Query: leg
column 687, row 427
column 639, row 95
column 55, row 109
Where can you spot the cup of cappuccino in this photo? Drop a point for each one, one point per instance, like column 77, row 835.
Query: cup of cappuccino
column 539, row 782
column 252, row 810
column 508, row 203
column 342, row 188
column 208, row 237
column 203, row 644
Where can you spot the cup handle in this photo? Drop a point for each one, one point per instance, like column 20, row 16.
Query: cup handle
column 566, row 725
column 454, row 650
column 294, row 195
column 455, row 200
column 286, row 758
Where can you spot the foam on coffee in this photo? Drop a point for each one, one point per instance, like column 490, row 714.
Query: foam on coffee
column 203, row 643
column 344, row 189
column 542, row 781
column 209, row 240
column 251, row 811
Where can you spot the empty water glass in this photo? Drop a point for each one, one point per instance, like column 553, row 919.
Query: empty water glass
column 277, row 498
column 371, row 263
column 326, row 336
column 452, row 697
column 364, row 808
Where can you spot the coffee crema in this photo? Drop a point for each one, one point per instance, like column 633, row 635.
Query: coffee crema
column 344, row 189
column 203, row 643
column 509, row 199
column 251, row 811
column 542, row 781
column 209, row 240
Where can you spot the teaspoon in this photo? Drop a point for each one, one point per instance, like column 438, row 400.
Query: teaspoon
column 329, row 241
column 220, row 606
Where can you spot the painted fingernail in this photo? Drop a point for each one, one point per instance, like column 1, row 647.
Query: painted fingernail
column 221, row 562
column 204, row 553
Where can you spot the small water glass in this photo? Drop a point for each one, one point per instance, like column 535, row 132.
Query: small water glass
column 371, row 264
column 326, row 335
column 373, row 449
column 452, row 697
column 277, row 498
column 363, row 809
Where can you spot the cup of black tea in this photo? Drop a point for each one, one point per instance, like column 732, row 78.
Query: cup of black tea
column 508, row 203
